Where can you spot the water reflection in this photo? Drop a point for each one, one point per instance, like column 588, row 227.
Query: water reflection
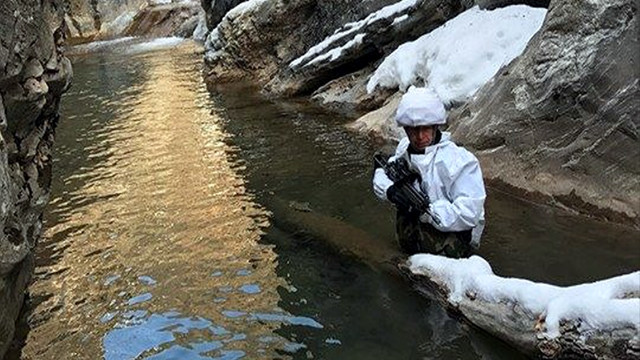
column 151, row 236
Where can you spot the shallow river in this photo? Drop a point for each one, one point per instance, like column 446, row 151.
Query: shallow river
column 185, row 224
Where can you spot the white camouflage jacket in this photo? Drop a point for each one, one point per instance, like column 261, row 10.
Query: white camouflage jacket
column 452, row 179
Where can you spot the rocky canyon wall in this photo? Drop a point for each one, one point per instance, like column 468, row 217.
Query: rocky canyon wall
column 33, row 75
column 90, row 20
column 95, row 19
column 562, row 119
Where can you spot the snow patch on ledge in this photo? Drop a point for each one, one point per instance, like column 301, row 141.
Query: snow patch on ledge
column 598, row 305
column 457, row 58
column 350, row 28
column 335, row 53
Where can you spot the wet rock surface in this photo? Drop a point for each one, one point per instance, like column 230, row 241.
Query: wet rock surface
column 348, row 94
column 33, row 75
column 562, row 119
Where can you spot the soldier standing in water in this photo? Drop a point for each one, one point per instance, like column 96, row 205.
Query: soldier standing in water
column 449, row 176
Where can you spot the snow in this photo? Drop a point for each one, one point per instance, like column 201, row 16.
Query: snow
column 103, row 45
column 201, row 30
column 400, row 19
column 350, row 28
column 597, row 305
column 317, row 49
column 336, row 52
column 456, row 59
column 155, row 44
column 243, row 8
column 384, row 13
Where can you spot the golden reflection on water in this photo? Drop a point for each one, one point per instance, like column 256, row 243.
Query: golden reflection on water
column 159, row 210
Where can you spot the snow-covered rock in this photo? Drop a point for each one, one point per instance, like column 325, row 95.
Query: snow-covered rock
column 562, row 119
column 599, row 305
column 600, row 319
column 259, row 38
column 295, row 47
column 351, row 34
column 459, row 57
column 358, row 44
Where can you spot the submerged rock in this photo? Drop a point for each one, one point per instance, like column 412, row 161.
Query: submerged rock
column 562, row 119
column 33, row 75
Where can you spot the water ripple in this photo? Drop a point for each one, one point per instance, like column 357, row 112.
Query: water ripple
column 145, row 196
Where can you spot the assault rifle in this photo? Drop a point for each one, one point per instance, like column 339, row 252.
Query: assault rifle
column 407, row 197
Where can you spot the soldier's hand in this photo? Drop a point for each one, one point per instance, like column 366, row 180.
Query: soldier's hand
column 399, row 198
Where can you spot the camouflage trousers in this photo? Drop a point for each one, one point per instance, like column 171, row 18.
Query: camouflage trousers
column 415, row 237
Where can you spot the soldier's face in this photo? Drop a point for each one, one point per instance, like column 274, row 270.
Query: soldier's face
column 420, row 136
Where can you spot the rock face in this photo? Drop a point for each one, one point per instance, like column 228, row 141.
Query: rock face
column 216, row 9
column 165, row 20
column 274, row 45
column 563, row 118
column 258, row 42
column 89, row 20
column 33, row 75
column 373, row 35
